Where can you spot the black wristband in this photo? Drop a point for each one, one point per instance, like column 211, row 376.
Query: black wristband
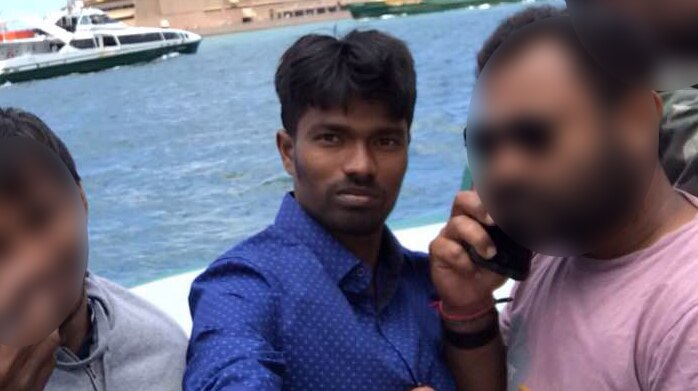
column 468, row 341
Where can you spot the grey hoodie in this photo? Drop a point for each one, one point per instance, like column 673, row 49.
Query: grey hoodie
column 135, row 346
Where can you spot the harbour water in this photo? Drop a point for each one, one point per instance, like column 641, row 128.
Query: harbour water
column 178, row 156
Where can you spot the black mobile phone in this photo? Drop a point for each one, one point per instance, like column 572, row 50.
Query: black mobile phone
column 512, row 260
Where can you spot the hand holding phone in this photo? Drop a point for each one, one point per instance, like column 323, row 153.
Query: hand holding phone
column 512, row 259
column 464, row 282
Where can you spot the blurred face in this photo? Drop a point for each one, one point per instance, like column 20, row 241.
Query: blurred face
column 43, row 247
column 348, row 165
column 672, row 21
column 552, row 169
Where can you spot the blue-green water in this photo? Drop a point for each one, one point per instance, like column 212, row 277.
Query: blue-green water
column 179, row 159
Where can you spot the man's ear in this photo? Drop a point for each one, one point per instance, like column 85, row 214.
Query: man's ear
column 642, row 108
column 83, row 197
column 658, row 105
column 285, row 145
column 642, row 119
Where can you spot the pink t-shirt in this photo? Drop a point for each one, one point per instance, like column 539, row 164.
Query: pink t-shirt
column 625, row 324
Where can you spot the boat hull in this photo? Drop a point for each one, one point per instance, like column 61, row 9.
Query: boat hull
column 378, row 9
column 97, row 63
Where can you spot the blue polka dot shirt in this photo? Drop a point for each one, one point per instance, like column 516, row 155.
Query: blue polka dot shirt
column 292, row 309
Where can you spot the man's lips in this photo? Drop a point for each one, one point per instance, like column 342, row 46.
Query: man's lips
column 358, row 197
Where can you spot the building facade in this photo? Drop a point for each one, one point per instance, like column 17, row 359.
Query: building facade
column 215, row 15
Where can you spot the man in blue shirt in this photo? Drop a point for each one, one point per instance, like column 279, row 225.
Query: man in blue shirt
column 326, row 298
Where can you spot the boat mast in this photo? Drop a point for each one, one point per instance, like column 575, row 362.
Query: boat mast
column 74, row 5
column 69, row 12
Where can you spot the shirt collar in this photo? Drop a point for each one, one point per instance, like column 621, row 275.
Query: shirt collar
column 338, row 261
column 389, row 270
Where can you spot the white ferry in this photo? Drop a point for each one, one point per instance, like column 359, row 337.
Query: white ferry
column 79, row 39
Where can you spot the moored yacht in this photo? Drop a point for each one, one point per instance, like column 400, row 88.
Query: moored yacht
column 79, row 39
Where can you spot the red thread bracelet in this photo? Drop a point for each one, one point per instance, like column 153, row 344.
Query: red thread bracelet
column 439, row 305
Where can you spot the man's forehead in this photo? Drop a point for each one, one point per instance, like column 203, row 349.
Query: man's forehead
column 27, row 167
column 645, row 8
column 29, row 182
column 538, row 77
column 356, row 116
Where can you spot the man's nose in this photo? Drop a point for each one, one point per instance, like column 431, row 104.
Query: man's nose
column 360, row 162
column 508, row 162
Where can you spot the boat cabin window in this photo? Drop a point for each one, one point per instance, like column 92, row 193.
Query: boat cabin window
column 139, row 38
column 68, row 23
column 101, row 19
column 85, row 20
column 169, row 36
column 107, row 40
column 83, row 43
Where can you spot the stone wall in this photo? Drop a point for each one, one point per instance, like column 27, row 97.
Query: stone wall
column 208, row 16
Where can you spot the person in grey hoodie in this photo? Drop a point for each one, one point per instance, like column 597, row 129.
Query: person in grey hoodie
column 61, row 327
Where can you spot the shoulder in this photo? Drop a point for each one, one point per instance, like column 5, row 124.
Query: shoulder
column 262, row 250
column 541, row 267
column 416, row 271
column 415, row 261
column 273, row 256
column 542, row 276
column 147, row 349
column 680, row 113
column 418, row 258
column 257, row 256
column 676, row 269
column 680, row 100
column 134, row 318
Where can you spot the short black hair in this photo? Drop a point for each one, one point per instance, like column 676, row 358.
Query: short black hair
column 326, row 72
column 511, row 25
column 19, row 123
column 608, row 88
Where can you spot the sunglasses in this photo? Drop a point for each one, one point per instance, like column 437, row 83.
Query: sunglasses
column 529, row 134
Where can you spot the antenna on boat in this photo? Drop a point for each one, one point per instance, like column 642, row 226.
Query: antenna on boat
column 69, row 12
column 71, row 8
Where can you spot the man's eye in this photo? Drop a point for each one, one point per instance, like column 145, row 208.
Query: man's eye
column 389, row 142
column 38, row 217
column 328, row 138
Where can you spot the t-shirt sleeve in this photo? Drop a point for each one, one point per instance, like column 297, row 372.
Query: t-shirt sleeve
column 674, row 363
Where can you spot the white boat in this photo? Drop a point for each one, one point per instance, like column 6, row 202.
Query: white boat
column 79, row 39
column 171, row 294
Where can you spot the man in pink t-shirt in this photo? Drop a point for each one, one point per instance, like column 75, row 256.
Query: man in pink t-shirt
column 627, row 323
column 564, row 159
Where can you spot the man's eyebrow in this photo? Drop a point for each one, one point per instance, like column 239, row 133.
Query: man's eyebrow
column 387, row 129
column 335, row 127
column 341, row 128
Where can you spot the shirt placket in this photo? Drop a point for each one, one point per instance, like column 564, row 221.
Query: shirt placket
column 391, row 326
column 360, row 284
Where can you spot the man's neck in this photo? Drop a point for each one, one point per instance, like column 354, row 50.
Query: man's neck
column 664, row 210
column 76, row 327
column 365, row 247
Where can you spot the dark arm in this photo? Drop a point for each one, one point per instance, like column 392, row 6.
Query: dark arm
column 478, row 369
